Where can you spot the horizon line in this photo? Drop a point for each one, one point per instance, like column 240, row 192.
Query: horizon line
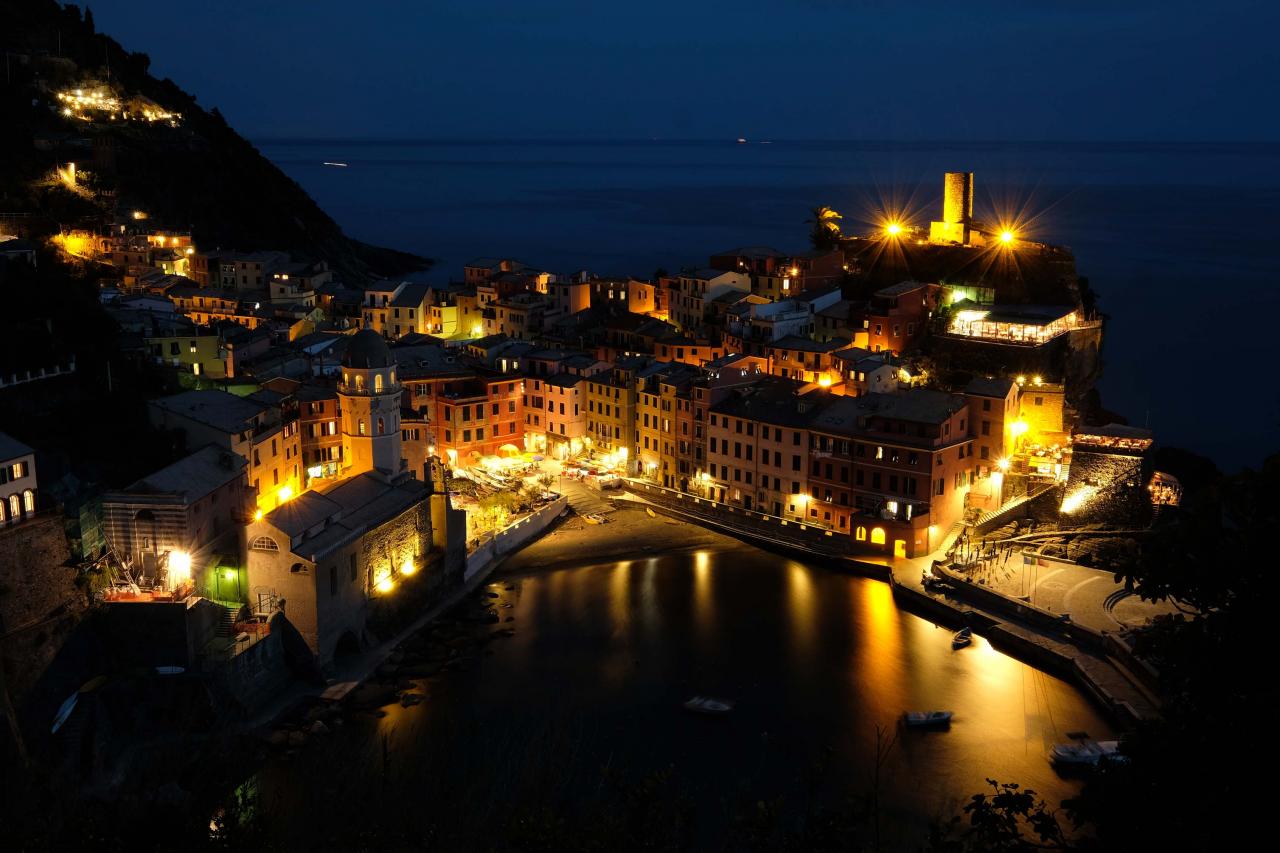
column 272, row 137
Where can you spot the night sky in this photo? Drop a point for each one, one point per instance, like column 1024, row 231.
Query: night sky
column 714, row 69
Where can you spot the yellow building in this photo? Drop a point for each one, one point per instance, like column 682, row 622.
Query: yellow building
column 198, row 353
column 659, row 395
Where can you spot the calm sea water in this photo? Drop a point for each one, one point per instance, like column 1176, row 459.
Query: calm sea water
column 604, row 655
column 1180, row 239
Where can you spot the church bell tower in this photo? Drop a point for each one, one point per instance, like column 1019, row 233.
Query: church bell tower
column 369, row 397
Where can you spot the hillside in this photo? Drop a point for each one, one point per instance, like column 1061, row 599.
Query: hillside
column 189, row 172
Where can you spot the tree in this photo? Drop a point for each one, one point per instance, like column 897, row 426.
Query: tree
column 825, row 231
column 1009, row 819
column 1182, row 786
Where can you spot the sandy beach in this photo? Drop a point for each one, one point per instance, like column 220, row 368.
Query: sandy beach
column 629, row 533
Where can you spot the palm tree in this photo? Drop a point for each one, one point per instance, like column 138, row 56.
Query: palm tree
column 825, row 233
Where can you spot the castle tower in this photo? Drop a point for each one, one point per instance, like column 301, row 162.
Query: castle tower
column 369, row 398
column 957, row 210
column 957, row 198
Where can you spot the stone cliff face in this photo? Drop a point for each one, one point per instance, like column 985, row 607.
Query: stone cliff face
column 40, row 604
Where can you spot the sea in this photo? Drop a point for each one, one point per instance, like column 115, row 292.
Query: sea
column 1180, row 239
column 583, row 704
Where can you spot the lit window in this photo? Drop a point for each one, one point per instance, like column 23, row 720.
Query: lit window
column 877, row 536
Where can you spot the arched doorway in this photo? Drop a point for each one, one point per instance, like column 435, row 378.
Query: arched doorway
column 347, row 645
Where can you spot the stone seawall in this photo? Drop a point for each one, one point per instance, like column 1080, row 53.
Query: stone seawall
column 484, row 558
column 40, row 604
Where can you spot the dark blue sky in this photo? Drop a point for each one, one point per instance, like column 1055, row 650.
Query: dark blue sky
column 782, row 69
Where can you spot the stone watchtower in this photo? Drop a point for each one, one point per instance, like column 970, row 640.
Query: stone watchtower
column 369, row 397
column 957, row 210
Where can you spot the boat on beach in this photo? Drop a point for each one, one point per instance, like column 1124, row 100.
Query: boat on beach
column 708, row 705
column 962, row 638
column 1088, row 753
column 924, row 719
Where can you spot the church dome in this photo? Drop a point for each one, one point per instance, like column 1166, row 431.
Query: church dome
column 367, row 350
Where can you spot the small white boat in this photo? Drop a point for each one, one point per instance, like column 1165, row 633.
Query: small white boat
column 921, row 719
column 1085, row 752
column 708, row 705
column 962, row 638
column 742, row 140
column 169, row 670
column 64, row 712
column 334, row 163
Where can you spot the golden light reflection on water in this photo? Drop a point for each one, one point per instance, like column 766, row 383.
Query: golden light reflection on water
column 800, row 607
column 620, row 594
column 704, row 610
column 882, row 651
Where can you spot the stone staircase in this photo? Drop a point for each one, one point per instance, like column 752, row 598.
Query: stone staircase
column 1000, row 516
column 227, row 621
column 584, row 500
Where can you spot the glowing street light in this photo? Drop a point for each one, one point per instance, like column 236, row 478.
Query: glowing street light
column 1003, row 463
column 408, row 568
column 1006, row 236
column 386, row 585
column 1077, row 499
column 893, row 229
column 179, row 567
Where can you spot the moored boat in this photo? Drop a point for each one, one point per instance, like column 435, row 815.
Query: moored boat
column 962, row 638
column 708, row 705
column 1085, row 752
column 922, row 719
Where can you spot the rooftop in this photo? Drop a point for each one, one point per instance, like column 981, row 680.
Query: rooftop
column 989, row 386
column 343, row 512
column 774, row 401
column 795, row 342
column 218, row 409
column 195, row 476
column 11, row 448
column 900, row 288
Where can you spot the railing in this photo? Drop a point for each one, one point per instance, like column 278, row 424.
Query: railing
column 750, row 522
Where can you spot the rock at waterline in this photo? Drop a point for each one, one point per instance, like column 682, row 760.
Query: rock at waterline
column 408, row 700
column 319, row 728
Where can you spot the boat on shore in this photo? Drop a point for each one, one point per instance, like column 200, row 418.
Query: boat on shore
column 925, row 719
column 962, row 638
column 708, row 705
column 1086, row 753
